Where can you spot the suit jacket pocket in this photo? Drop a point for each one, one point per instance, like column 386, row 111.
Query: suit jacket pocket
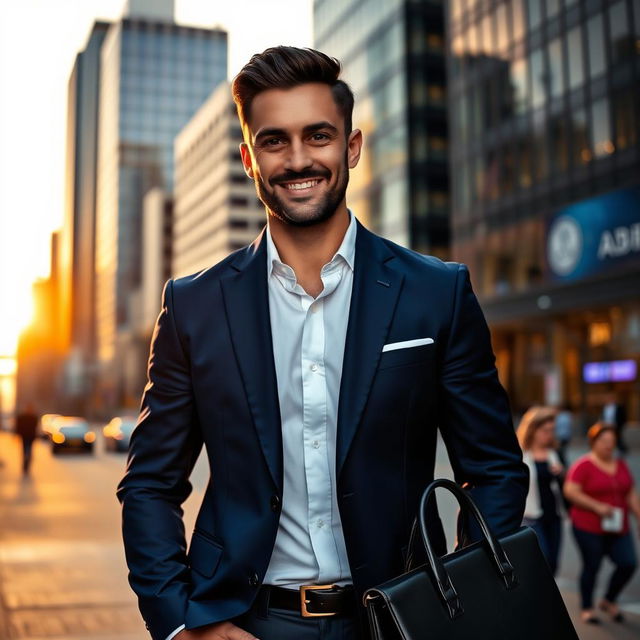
column 405, row 357
column 204, row 554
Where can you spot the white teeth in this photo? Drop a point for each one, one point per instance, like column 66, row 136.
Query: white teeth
column 301, row 185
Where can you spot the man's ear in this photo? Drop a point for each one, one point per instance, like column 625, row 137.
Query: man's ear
column 354, row 148
column 247, row 161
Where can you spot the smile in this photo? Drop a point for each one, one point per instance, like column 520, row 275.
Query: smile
column 298, row 186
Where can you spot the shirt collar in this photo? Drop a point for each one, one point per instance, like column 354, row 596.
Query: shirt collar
column 346, row 251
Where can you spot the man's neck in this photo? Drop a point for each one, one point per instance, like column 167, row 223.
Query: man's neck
column 307, row 249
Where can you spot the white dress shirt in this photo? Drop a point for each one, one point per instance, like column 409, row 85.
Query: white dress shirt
column 308, row 346
column 308, row 337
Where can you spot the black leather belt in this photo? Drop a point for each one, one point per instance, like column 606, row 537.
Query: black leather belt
column 312, row 601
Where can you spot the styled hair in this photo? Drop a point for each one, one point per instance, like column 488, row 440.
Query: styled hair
column 596, row 430
column 531, row 421
column 287, row 67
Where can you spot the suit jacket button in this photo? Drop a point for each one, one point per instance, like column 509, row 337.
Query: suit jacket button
column 275, row 503
column 254, row 581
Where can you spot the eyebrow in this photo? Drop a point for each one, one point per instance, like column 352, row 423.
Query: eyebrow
column 310, row 128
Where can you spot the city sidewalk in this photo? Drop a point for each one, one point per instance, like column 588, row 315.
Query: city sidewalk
column 62, row 571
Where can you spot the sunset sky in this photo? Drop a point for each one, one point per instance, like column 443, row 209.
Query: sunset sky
column 39, row 40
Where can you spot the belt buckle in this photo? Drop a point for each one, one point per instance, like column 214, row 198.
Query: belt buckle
column 304, row 602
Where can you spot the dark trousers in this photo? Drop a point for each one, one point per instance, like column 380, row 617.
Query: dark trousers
column 593, row 548
column 549, row 532
column 267, row 623
column 27, row 447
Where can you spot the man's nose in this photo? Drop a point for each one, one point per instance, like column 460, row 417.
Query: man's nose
column 298, row 157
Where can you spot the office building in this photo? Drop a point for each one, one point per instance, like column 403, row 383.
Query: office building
column 545, row 165
column 392, row 52
column 216, row 207
column 76, row 299
column 154, row 75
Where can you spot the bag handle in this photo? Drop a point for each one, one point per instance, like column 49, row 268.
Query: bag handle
column 497, row 554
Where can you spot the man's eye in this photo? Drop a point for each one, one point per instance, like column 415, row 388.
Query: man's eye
column 319, row 137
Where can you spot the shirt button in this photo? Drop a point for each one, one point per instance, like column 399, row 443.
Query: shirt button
column 275, row 503
column 314, row 367
column 320, row 524
column 254, row 581
column 315, row 307
column 315, row 444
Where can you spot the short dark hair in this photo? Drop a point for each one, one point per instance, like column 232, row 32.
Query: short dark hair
column 287, row 67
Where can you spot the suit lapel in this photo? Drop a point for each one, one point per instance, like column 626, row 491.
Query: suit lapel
column 246, row 300
column 376, row 286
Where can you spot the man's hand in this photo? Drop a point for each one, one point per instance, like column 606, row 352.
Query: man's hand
column 218, row 631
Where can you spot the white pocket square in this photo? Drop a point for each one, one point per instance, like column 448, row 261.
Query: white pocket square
column 418, row 342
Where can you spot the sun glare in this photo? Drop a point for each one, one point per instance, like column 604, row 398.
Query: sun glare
column 15, row 317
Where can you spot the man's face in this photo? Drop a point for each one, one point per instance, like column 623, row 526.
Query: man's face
column 298, row 154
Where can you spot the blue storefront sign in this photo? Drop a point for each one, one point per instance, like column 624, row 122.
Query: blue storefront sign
column 594, row 235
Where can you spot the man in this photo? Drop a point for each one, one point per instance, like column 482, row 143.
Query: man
column 316, row 366
column 26, row 426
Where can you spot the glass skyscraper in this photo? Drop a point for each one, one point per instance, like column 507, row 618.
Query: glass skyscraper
column 76, row 297
column 155, row 75
column 545, row 166
column 392, row 52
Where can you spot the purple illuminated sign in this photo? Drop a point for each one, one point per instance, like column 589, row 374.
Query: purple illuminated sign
column 615, row 371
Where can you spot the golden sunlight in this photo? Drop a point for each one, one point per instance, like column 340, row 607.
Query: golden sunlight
column 15, row 317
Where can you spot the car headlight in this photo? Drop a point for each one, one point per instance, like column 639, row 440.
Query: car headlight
column 89, row 436
column 58, row 438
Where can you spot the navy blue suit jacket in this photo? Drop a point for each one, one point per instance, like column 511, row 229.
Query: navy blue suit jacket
column 212, row 380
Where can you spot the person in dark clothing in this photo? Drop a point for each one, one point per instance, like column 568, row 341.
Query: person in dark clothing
column 26, row 426
column 614, row 412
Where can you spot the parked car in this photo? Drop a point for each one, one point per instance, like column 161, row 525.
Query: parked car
column 67, row 432
column 45, row 423
column 118, row 433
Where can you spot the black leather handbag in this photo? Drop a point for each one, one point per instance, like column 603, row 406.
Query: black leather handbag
column 495, row 589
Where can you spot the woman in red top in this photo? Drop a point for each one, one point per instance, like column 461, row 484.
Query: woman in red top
column 600, row 489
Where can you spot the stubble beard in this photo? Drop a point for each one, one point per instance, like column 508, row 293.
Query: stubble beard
column 302, row 214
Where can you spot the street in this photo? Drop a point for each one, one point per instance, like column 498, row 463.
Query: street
column 62, row 569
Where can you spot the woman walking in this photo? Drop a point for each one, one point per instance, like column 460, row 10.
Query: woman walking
column 600, row 489
column 536, row 434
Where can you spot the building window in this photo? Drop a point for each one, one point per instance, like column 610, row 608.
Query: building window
column 488, row 41
column 540, row 148
column 624, row 119
column 601, row 138
column 553, row 6
column 538, row 78
column 502, row 32
column 519, row 85
column 622, row 42
column 534, row 13
column 556, row 73
column 238, row 201
column 595, row 35
column 576, row 58
column 518, row 19
column 579, row 138
column 559, row 157
column 525, row 174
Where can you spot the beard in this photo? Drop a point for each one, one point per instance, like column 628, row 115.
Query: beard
column 304, row 214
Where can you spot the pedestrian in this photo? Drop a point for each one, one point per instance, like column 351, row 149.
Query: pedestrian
column 601, row 490
column 543, row 508
column 26, row 426
column 564, row 431
column 614, row 412
column 315, row 365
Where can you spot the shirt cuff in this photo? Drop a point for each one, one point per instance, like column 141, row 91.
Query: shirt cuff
column 175, row 633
